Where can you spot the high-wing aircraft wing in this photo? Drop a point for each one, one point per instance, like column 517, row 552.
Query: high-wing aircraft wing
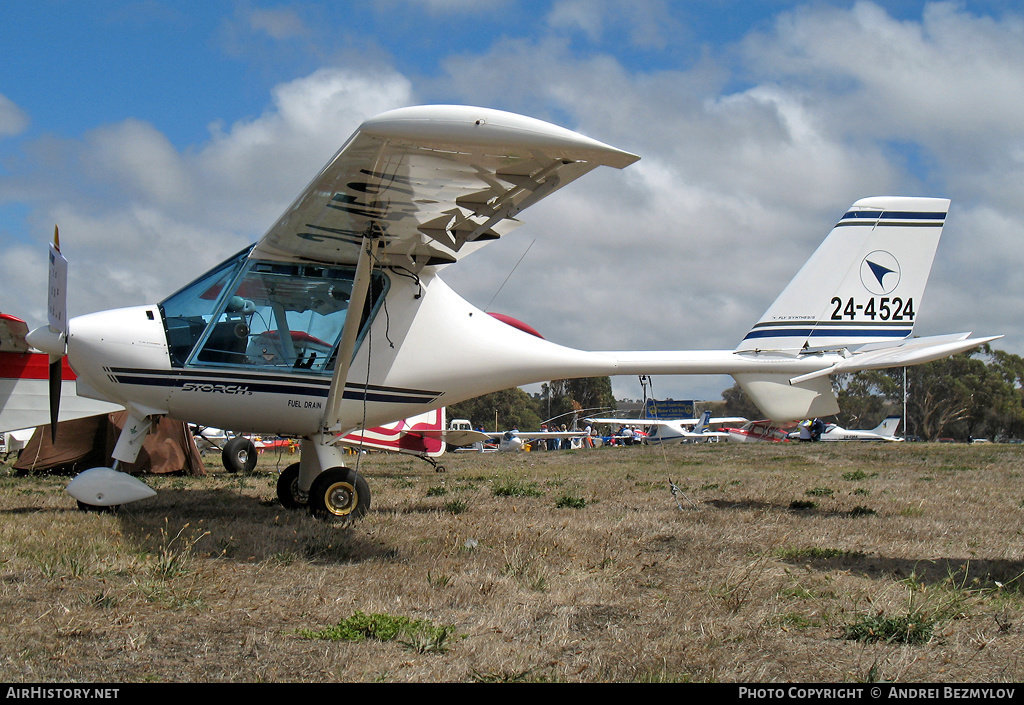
column 12, row 334
column 431, row 183
column 535, row 435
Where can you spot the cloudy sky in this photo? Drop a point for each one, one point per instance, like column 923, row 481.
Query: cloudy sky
column 162, row 136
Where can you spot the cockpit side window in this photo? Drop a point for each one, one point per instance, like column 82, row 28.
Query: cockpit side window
column 187, row 313
column 282, row 316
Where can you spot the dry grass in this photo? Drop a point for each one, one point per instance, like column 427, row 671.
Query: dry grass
column 594, row 571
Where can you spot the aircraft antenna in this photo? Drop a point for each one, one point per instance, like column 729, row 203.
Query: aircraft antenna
column 509, row 275
column 647, row 383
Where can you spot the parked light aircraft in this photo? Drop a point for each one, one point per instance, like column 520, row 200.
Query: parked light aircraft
column 461, row 433
column 515, row 439
column 885, row 431
column 25, row 389
column 761, row 430
column 679, row 430
column 337, row 319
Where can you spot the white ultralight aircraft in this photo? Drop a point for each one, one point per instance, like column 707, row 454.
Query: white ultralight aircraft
column 885, row 431
column 336, row 319
column 514, row 440
column 679, row 430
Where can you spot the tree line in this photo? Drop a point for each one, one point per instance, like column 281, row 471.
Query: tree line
column 977, row 394
column 556, row 403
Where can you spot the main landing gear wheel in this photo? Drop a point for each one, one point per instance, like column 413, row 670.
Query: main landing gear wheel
column 95, row 509
column 239, row 455
column 288, row 492
column 339, row 495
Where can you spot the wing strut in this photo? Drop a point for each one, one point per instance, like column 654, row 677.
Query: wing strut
column 353, row 316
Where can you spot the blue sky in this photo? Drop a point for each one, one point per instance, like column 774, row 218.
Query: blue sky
column 162, row 136
column 75, row 65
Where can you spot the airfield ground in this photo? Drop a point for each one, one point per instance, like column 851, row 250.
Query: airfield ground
column 798, row 562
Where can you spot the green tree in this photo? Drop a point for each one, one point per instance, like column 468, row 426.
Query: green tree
column 865, row 398
column 585, row 394
column 513, row 408
column 977, row 394
column 737, row 403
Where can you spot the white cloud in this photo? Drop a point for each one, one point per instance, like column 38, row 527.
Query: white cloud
column 140, row 218
column 646, row 25
column 952, row 82
column 13, row 120
column 278, row 24
column 442, row 7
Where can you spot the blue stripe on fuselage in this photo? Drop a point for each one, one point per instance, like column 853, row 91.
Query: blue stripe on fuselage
column 269, row 384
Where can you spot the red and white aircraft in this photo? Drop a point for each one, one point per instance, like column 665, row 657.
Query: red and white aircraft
column 25, row 386
column 338, row 320
column 761, row 430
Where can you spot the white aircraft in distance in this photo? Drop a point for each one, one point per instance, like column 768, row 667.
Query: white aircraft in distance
column 337, row 318
column 515, row 439
column 678, row 430
column 885, row 431
column 461, row 434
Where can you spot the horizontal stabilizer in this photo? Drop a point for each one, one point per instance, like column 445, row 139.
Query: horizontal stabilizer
column 914, row 351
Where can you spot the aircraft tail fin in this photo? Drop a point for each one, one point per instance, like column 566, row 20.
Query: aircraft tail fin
column 862, row 285
column 702, row 425
column 417, row 435
column 888, row 426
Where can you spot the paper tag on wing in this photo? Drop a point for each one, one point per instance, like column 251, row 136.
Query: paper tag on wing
column 56, row 303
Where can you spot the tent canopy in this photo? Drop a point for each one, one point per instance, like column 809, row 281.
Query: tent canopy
column 87, row 443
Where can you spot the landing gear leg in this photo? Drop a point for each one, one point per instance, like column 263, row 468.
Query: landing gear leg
column 102, row 488
column 433, row 463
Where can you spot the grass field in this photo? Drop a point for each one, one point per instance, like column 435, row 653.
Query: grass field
column 797, row 562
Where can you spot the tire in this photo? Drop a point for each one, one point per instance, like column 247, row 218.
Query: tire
column 239, row 455
column 339, row 495
column 94, row 509
column 288, row 492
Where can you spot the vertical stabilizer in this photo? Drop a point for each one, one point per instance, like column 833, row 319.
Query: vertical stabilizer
column 888, row 426
column 863, row 284
column 702, row 425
